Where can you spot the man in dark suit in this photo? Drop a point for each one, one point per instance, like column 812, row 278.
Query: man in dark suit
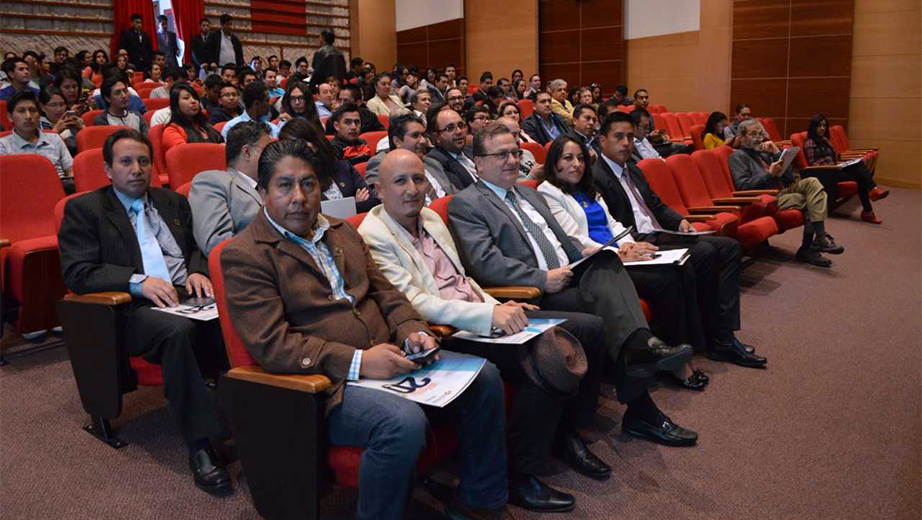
column 137, row 43
column 716, row 260
column 543, row 125
column 328, row 61
column 223, row 46
column 449, row 133
column 131, row 238
column 166, row 42
column 506, row 235
column 199, row 45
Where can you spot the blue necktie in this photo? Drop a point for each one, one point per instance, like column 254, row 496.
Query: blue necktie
column 151, row 254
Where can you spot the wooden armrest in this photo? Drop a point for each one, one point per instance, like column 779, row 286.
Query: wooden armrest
column 442, row 330
column 786, row 142
column 714, row 209
column 747, row 193
column 737, row 200
column 680, row 140
column 100, row 298
column 310, row 383
column 821, row 168
column 4, row 242
column 699, row 218
column 513, row 292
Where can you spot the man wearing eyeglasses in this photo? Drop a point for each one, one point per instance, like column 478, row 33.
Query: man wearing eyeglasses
column 449, row 134
column 543, row 125
column 455, row 99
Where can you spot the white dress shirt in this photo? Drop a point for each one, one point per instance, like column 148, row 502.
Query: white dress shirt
column 642, row 222
column 467, row 163
column 646, row 149
column 226, row 52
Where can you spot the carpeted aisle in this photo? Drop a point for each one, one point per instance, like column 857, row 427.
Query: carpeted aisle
column 832, row 429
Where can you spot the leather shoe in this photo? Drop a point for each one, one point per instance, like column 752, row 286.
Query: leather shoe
column 878, row 194
column 810, row 256
column 658, row 356
column 210, row 476
column 696, row 381
column 664, row 431
column 458, row 510
column 572, row 450
column 736, row 353
column 827, row 244
column 869, row 216
column 530, row 493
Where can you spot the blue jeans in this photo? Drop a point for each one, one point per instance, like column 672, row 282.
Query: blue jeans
column 393, row 432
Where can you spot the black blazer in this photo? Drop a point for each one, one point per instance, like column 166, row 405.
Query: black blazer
column 458, row 175
column 533, row 127
column 200, row 51
column 99, row 248
column 350, row 181
column 140, row 53
column 617, row 200
column 214, row 48
column 328, row 61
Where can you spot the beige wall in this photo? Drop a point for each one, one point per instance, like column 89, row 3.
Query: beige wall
column 687, row 71
column 374, row 26
column 501, row 36
column 885, row 109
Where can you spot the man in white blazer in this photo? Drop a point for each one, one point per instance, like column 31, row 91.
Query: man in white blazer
column 225, row 202
column 414, row 249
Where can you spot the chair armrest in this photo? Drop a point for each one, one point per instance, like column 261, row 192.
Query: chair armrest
column 100, row 298
column 4, row 242
column 747, row 193
column 680, row 140
column 699, row 218
column 713, row 209
column 821, row 168
column 513, row 292
column 737, row 200
column 309, row 383
column 442, row 330
column 786, row 142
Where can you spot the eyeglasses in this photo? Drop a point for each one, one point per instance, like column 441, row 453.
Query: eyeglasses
column 452, row 127
column 481, row 117
column 456, row 98
column 505, row 154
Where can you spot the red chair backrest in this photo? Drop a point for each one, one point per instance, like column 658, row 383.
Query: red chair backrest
column 149, row 116
column 699, row 118
column 237, row 353
column 526, row 107
column 373, row 138
column 4, row 116
column 90, row 172
column 696, row 136
column 59, row 211
column 144, row 89
column 657, row 173
column 723, row 154
column 385, row 120
column 668, row 121
column 155, row 136
column 657, row 109
column 356, row 220
column 626, row 109
column 769, row 125
column 29, row 189
column 839, row 138
column 688, row 179
column 440, row 206
column 220, row 126
column 94, row 136
column 156, row 103
column 360, row 167
column 685, row 123
column 531, row 183
column 537, row 150
column 184, row 189
column 716, row 181
column 90, row 116
column 138, row 76
column 798, row 141
column 185, row 161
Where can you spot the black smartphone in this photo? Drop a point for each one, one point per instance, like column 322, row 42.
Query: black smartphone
column 198, row 302
column 423, row 357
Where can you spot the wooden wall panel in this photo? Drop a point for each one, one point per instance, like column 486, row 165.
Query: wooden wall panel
column 581, row 42
column 501, row 36
column 375, row 25
column 836, row 53
column 767, row 58
column 434, row 45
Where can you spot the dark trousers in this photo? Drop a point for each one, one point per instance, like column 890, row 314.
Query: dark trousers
column 177, row 344
column 393, row 432
column 857, row 172
column 666, row 148
column 672, row 294
column 536, row 416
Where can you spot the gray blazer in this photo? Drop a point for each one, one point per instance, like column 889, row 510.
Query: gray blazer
column 223, row 204
column 432, row 166
column 749, row 174
column 493, row 246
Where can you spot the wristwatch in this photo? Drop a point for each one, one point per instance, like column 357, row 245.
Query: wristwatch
column 406, row 342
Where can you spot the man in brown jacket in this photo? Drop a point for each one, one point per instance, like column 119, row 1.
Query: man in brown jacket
column 307, row 297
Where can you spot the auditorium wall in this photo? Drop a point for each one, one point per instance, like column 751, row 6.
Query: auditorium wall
column 501, row 51
column 376, row 32
column 42, row 25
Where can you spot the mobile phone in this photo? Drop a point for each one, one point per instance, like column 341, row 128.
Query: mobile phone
column 423, row 357
column 199, row 302
column 71, row 113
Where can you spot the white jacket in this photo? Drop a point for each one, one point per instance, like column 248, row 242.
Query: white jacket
column 572, row 218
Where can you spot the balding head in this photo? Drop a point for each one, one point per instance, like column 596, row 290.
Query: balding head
column 402, row 186
column 510, row 123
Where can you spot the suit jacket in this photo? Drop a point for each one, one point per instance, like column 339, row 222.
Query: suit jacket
column 494, row 247
column 328, row 61
column 214, row 48
column 167, row 44
column 572, row 218
column 620, row 205
column 432, row 167
column 749, row 174
column 405, row 267
column 223, row 204
column 533, row 127
column 200, row 51
column 99, row 247
column 140, row 53
column 283, row 306
column 436, row 94
column 350, row 181
column 457, row 174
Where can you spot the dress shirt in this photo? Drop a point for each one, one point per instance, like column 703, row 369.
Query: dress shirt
column 49, row 146
column 643, row 222
column 227, row 54
column 246, row 117
column 467, row 163
column 539, row 221
column 452, row 284
column 549, row 127
column 646, row 149
column 322, row 109
column 439, row 191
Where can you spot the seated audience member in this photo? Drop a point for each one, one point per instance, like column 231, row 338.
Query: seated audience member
column 410, row 85
column 755, row 168
column 476, row 117
column 257, row 108
column 414, row 250
column 325, row 101
column 135, row 104
column 543, row 125
column 506, row 235
column 560, row 105
column 642, row 149
column 584, row 125
column 271, row 79
column 407, row 131
column 229, row 107
column 17, row 71
column 58, row 118
column 225, row 202
column 68, row 82
column 658, row 138
column 284, row 68
column 489, row 98
column 712, row 135
column 519, row 87
column 245, row 76
column 353, row 94
column 154, row 75
column 455, row 99
column 212, row 99
column 172, row 76
column 510, row 110
column 528, row 165
column 339, row 179
column 343, row 319
column 596, row 90
column 420, row 101
column 621, row 98
column 743, row 113
column 302, row 71
column 229, row 73
column 583, row 97
column 716, row 260
column 115, row 92
column 26, row 137
column 187, row 121
column 129, row 237
column 534, row 86
column 579, row 208
column 438, row 91
column 448, row 133
column 93, row 71
column 298, row 103
column 384, row 101
column 346, row 125
column 464, row 84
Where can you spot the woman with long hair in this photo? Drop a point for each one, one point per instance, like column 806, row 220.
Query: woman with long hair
column 511, row 110
column 94, row 70
column 712, row 135
column 383, row 101
column 596, row 95
column 518, row 89
column 187, row 121
column 298, row 102
column 68, row 82
column 516, row 75
column 154, row 74
column 819, row 151
column 56, row 118
column 578, row 206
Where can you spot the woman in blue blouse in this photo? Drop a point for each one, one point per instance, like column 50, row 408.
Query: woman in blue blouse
column 579, row 208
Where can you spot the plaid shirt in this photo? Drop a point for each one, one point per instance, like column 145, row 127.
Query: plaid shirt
column 822, row 153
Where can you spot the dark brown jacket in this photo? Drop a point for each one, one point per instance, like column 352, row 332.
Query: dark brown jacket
column 283, row 309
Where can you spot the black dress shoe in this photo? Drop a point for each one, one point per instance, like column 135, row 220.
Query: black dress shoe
column 658, row 356
column 664, row 431
column 827, row 244
column 572, row 450
column 736, row 353
column 810, row 256
column 530, row 493
column 210, row 476
column 696, row 381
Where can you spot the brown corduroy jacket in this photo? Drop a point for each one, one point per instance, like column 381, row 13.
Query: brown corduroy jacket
column 283, row 308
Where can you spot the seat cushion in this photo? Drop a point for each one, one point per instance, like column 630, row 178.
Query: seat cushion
column 755, row 232
column 788, row 219
column 149, row 374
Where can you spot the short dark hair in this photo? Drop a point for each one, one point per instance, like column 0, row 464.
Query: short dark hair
column 606, row 107
column 494, row 91
column 441, row 75
column 328, row 36
column 432, row 116
column 253, row 93
column 226, row 18
column 159, row 53
column 622, row 89
column 356, row 62
column 125, row 133
column 472, row 112
column 175, row 74
column 615, row 117
column 229, row 66
column 9, row 65
column 578, row 109
column 342, row 109
column 485, row 76
column 741, row 106
column 356, row 92
column 639, row 91
column 61, row 48
column 637, row 113
column 204, row 19
column 240, row 135
column 284, row 63
column 212, row 81
column 276, row 151
column 134, row 16
column 46, row 94
column 19, row 97
column 243, row 72
column 490, row 131
column 161, row 18
column 380, row 75
column 397, row 127
column 106, row 89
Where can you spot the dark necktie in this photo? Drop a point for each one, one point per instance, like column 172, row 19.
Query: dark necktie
column 550, row 254
column 626, row 174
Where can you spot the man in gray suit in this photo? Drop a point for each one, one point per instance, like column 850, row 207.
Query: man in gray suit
column 407, row 131
column 224, row 203
column 506, row 235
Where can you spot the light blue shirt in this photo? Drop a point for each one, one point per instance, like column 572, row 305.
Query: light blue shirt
column 246, row 117
column 322, row 109
column 551, row 128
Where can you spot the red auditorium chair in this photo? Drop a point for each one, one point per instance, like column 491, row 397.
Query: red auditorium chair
column 696, row 136
column 685, row 123
column 373, row 137
column 31, row 265
column 90, row 173
column 144, row 89
column 847, row 189
column 700, row 118
column 185, row 161
column 155, row 136
column 5, row 116
column 769, row 125
column 668, row 121
column 839, row 140
column 526, row 107
column 656, row 109
column 220, row 126
column 94, row 136
column 89, row 116
column 155, row 104
column 184, row 189
column 720, row 189
column 657, row 173
column 149, row 116
column 385, row 120
column 694, row 194
column 360, row 167
column 138, row 76
column 540, row 152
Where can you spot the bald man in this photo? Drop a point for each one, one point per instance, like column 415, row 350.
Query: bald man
column 528, row 166
column 415, row 251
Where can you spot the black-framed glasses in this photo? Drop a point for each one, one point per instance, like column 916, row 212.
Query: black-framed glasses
column 505, row 154
column 452, row 127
